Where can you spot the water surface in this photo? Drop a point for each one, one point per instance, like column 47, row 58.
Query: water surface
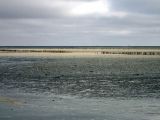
column 81, row 88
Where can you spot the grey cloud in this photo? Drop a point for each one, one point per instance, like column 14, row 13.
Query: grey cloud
column 76, row 31
column 28, row 9
column 34, row 8
column 137, row 6
column 54, row 9
column 25, row 24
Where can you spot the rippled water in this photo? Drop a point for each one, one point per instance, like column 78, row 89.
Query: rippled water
column 80, row 88
column 84, row 77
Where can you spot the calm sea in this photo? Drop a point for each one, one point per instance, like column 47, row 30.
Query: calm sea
column 84, row 47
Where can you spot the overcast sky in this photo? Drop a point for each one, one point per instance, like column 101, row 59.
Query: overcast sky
column 80, row 22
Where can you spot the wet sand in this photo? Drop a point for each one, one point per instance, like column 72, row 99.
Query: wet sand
column 79, row 86
column 62, row 107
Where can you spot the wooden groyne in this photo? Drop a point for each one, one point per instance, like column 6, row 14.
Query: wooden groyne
column 132, row 52
column 33, row 51
column 93, row 51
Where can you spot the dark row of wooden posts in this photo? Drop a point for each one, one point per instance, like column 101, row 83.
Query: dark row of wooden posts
column 36, row 51
column 101, row 52
column 132, row 53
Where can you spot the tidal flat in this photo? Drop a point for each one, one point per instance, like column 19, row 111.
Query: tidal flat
column 84, row 86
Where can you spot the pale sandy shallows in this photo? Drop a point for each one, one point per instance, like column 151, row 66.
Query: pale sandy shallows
column 80, row 52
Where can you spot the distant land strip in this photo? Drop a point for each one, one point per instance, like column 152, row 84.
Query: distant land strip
column 124, row 51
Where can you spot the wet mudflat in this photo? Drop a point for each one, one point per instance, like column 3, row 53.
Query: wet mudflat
column 80, row 88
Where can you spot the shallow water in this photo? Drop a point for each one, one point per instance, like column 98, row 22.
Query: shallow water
column 85, row 77
column 89, row 88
